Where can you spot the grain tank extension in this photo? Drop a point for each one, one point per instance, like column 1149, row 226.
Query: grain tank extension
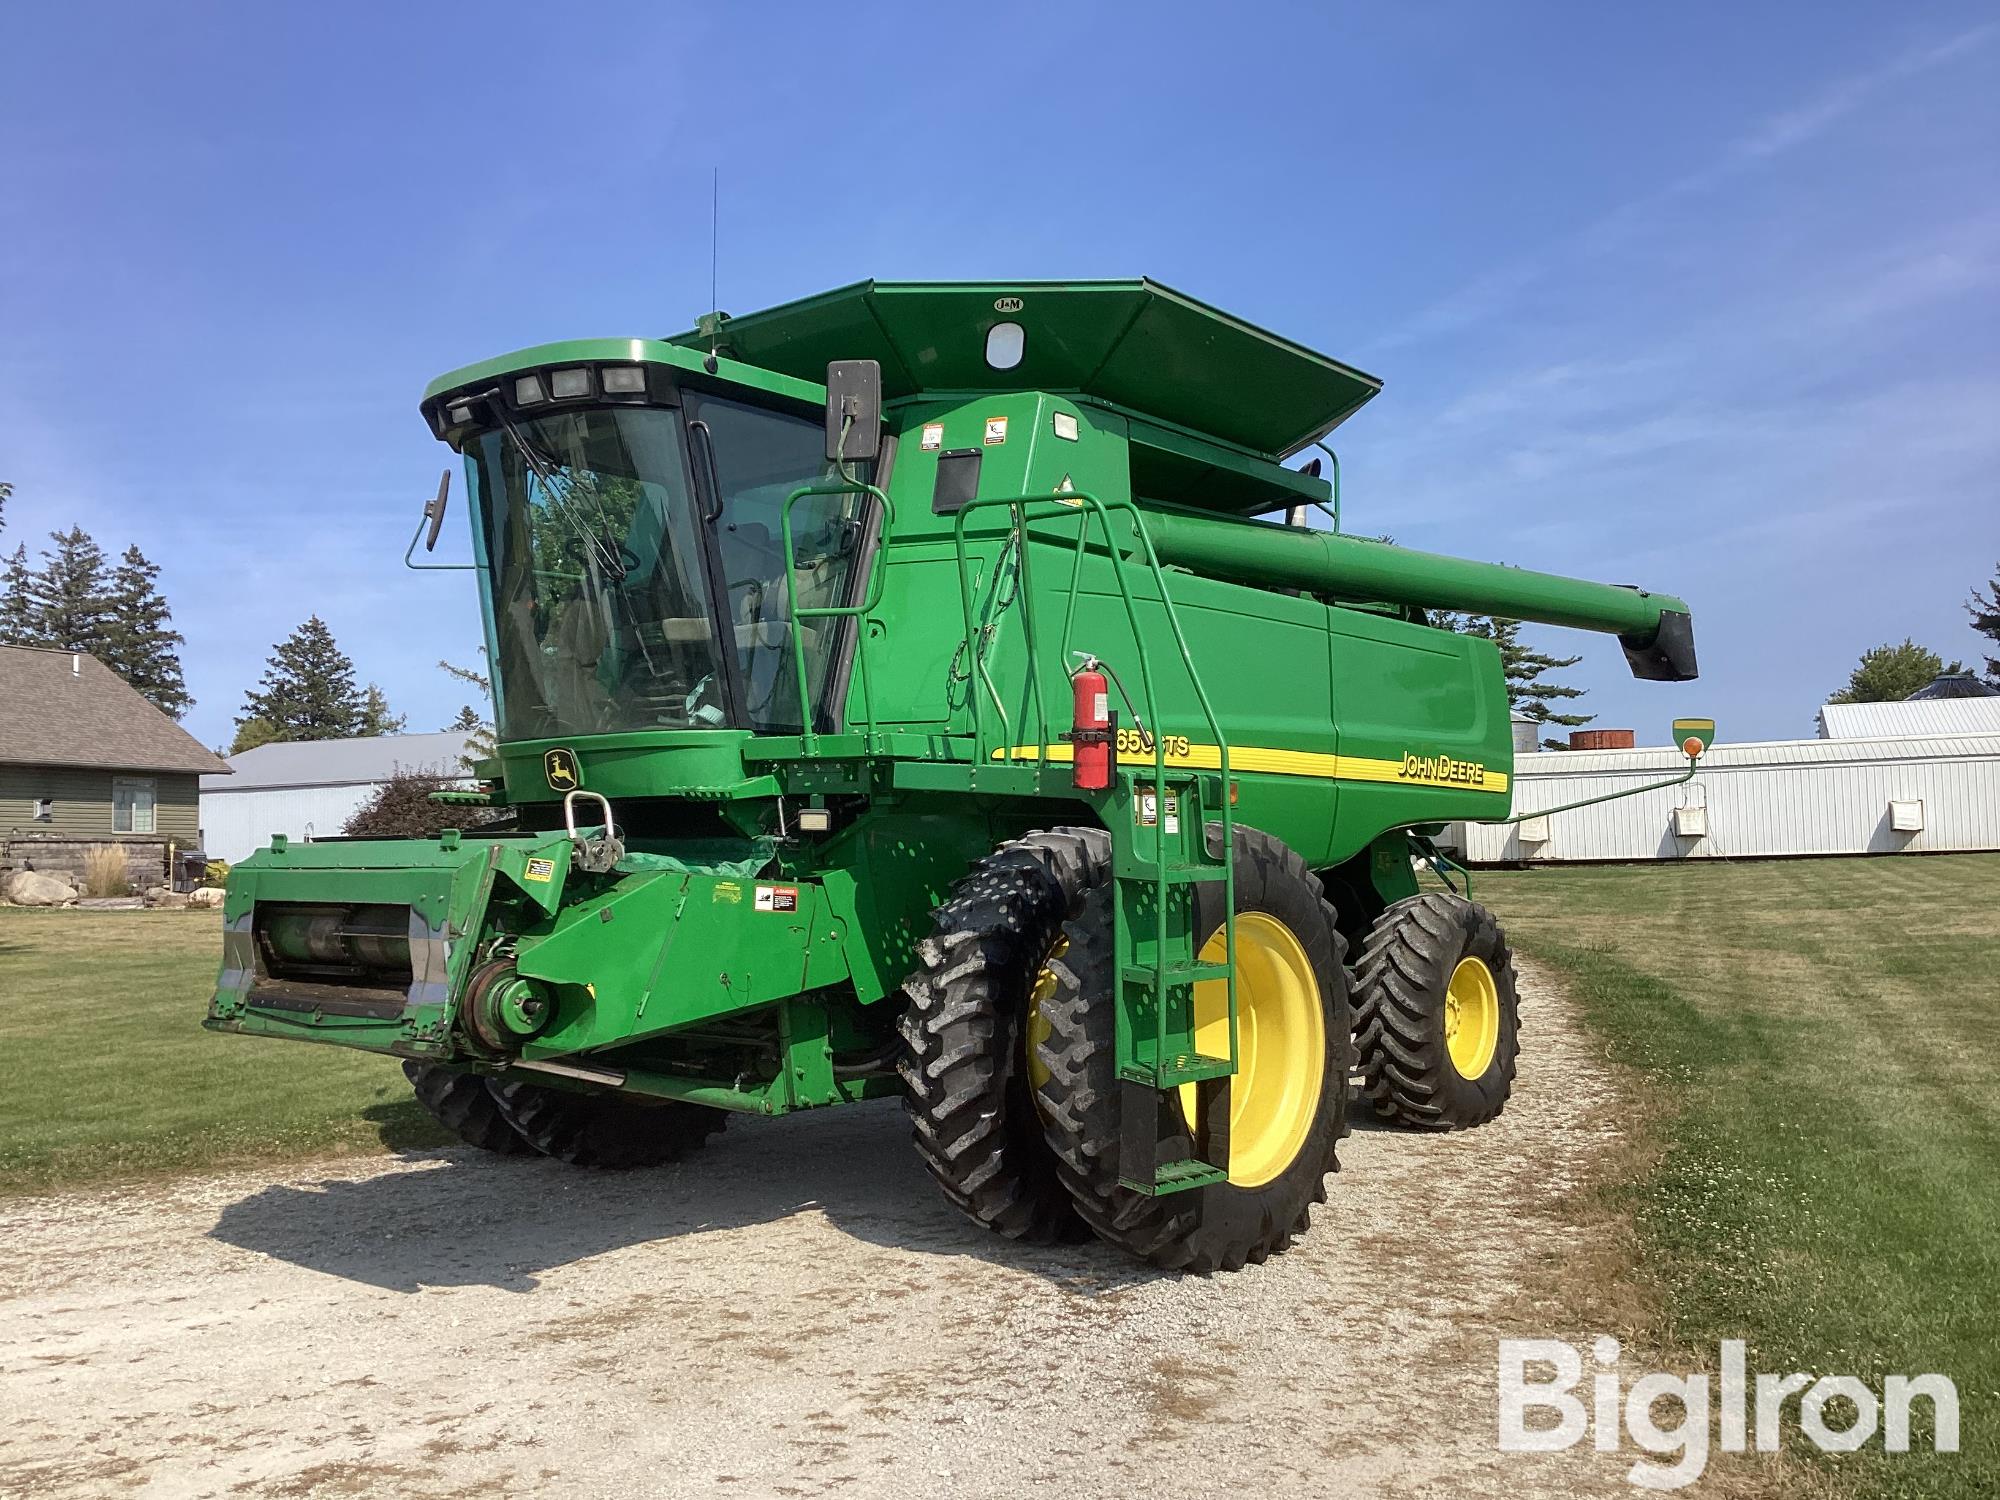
column 932, row 690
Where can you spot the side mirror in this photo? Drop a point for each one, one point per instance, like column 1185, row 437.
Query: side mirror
column 434, row 512
column 853, row 409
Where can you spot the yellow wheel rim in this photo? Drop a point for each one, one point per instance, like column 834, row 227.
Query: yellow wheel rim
column 1281, row 1046
column 1037, row 1030
column 1471, row 1018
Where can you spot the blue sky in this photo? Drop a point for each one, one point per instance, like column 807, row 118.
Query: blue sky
column 1704, row 297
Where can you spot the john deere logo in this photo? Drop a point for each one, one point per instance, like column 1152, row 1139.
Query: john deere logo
column 560, row 768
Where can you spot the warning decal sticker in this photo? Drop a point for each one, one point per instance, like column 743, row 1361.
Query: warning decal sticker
column 777, row 898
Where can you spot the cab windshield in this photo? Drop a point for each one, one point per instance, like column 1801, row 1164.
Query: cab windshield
column 604, row 559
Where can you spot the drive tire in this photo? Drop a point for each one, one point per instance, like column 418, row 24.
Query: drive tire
column 460, row 1102
column 609, row 1131
column 964, row 1062
column 1223, row 1226
column 1423, row 1014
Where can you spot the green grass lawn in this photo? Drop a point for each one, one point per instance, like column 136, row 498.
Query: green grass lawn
column 112, row 1076
column 1825, row 1040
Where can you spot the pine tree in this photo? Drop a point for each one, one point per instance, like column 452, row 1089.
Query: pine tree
column 375, row 716
column 478, row 730
column 141, row 644
column 1985, row 612
column 69, row 596
column 250, row 733
column 17, row 608
column 6, row 494
column 307, row 691
column 1529, row 691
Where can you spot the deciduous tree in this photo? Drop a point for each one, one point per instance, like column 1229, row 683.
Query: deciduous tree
column 402, row 808
column 1889, row 674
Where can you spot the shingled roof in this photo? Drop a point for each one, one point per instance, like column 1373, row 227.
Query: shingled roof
column 66, row 708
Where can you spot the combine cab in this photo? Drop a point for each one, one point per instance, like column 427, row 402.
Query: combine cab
column 936, row 690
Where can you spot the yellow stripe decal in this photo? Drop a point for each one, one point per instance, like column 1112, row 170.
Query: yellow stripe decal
column 1411, row 770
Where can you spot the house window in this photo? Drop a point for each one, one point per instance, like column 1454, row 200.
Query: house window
column 131, row 804
column 45, row 809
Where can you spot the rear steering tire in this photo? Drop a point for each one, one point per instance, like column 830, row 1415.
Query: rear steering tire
column 1437, row 1015
column 1288, row 1098
column 603, row 1130
column 460, row 1102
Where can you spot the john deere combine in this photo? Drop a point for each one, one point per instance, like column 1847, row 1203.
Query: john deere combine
column 938, row 690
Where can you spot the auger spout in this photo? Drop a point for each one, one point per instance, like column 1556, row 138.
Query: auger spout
column 1656, row 630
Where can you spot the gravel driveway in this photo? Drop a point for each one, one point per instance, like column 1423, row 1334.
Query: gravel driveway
column 796, row 1312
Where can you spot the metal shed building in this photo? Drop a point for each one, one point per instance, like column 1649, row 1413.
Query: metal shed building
column 310, row 788
column 1926, row 718
column 1901, row 795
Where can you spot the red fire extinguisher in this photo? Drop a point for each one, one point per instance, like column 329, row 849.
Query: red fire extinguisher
column 1095, row 728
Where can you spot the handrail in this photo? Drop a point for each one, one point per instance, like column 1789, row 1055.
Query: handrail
column 1086, row 506
column 808, row 734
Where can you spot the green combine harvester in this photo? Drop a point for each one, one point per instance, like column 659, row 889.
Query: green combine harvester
column 936, row 690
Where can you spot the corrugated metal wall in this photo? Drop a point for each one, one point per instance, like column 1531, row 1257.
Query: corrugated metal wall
column 1785, row 797
column 1925, row 717
column 235, row 824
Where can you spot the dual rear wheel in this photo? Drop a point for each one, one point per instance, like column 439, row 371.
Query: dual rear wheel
column 1010, row 1035
column 1010, row 1066
column 1436, row 1014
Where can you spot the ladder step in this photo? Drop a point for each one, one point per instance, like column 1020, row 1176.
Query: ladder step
column 1179, row 1068
column 1148, row 873
column 1177, row 974
column 1177, row 1177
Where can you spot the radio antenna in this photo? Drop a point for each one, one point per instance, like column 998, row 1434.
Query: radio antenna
column 714, row 255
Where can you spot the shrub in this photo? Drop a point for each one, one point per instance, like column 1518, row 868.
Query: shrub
column 402, row 808
column 215, row 872
column 105, row 872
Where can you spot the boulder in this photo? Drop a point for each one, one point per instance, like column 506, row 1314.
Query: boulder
column 206, row 895
column 171, row 900
column 32, row 888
